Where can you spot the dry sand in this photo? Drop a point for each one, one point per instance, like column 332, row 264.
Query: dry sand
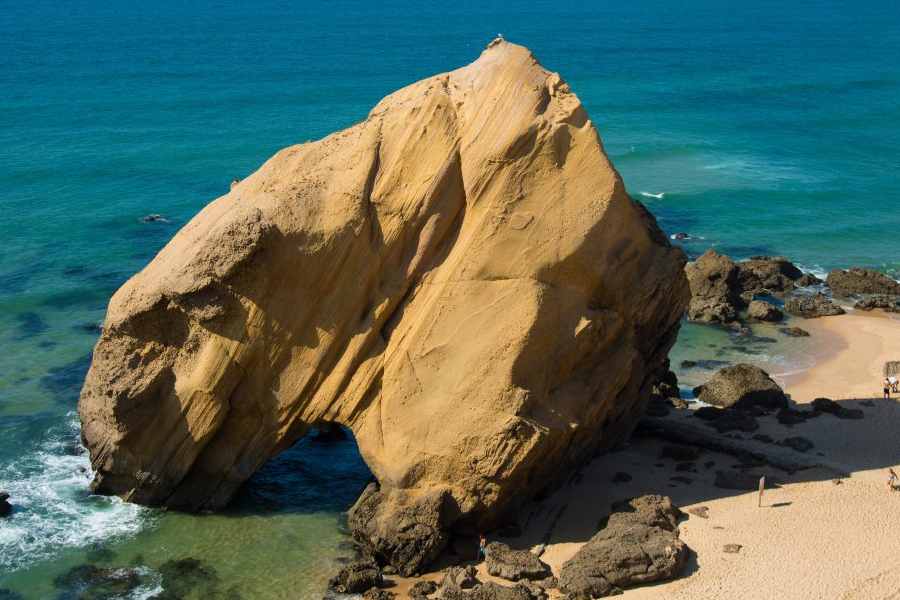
column 812, row 539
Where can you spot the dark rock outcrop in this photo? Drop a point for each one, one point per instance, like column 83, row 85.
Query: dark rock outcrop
column 639, row 544
column 811, row 307
column 829, row 406
column 406, row 533
column 861, row 281
column 761, row 310
column 5, row 506
column 715, row 292
column 774, row 275
column 885, row 303
column 357, row 577
column 721, row 288
column 506, row 563
column 742, row 386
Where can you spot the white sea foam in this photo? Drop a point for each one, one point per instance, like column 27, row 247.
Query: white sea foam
column 54, row 509
column 658, row 196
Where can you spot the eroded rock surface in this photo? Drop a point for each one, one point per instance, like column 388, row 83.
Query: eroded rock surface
column 638, row 545
column 506, row 563
column 722, row 288
column 811, row 307
column 460, row 279
column 861, row 281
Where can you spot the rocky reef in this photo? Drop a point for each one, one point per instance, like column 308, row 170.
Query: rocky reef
column 460, row 279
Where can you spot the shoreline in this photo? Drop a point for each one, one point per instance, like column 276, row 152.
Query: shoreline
column 787, row 543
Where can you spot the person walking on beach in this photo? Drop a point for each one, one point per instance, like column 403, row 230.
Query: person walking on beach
column 887, row 389
column 892, row 480
column 482, row 544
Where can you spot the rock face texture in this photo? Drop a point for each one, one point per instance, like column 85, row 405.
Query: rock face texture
column 812, row 307
column 861, row 281
column 639, row 544
column 460, row 279
column 506, row 563
column 721, row 288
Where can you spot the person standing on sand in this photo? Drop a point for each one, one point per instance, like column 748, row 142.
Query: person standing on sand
column 887, row 389
column 482, row 544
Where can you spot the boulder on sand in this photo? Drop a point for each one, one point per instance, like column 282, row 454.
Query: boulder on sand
column 742, row 386
column 460, row 279
column 861, row 281
column 811, row 307
column 885, row 303
column 638, row 545
column 504, row 562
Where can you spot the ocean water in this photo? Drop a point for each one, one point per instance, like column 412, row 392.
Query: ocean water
column 758, row 128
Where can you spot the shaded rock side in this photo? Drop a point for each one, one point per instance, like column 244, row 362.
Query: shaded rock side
column 460, row 279
column 639, row 544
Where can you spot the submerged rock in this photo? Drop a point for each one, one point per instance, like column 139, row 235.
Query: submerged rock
column 5, row 506
column 454, row 279
column 502, row 561
column 90, row 582
column 794, row 332
column 638, row 545
column 742, row 386
column 861, row 281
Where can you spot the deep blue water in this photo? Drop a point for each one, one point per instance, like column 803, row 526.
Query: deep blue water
column 769, row 127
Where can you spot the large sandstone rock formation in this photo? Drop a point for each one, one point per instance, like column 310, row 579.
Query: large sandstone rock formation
column 461, row 279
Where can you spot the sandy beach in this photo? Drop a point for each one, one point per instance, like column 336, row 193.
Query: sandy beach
column 813, row 538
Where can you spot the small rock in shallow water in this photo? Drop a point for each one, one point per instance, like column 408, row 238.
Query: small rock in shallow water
column 154, row 218
column 732, row 548
column 794, row 332
column 5, row 506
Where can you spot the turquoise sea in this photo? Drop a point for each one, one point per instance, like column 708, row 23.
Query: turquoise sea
column 758, row 128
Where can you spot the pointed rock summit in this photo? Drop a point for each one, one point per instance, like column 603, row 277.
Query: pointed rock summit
column 460, row 279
